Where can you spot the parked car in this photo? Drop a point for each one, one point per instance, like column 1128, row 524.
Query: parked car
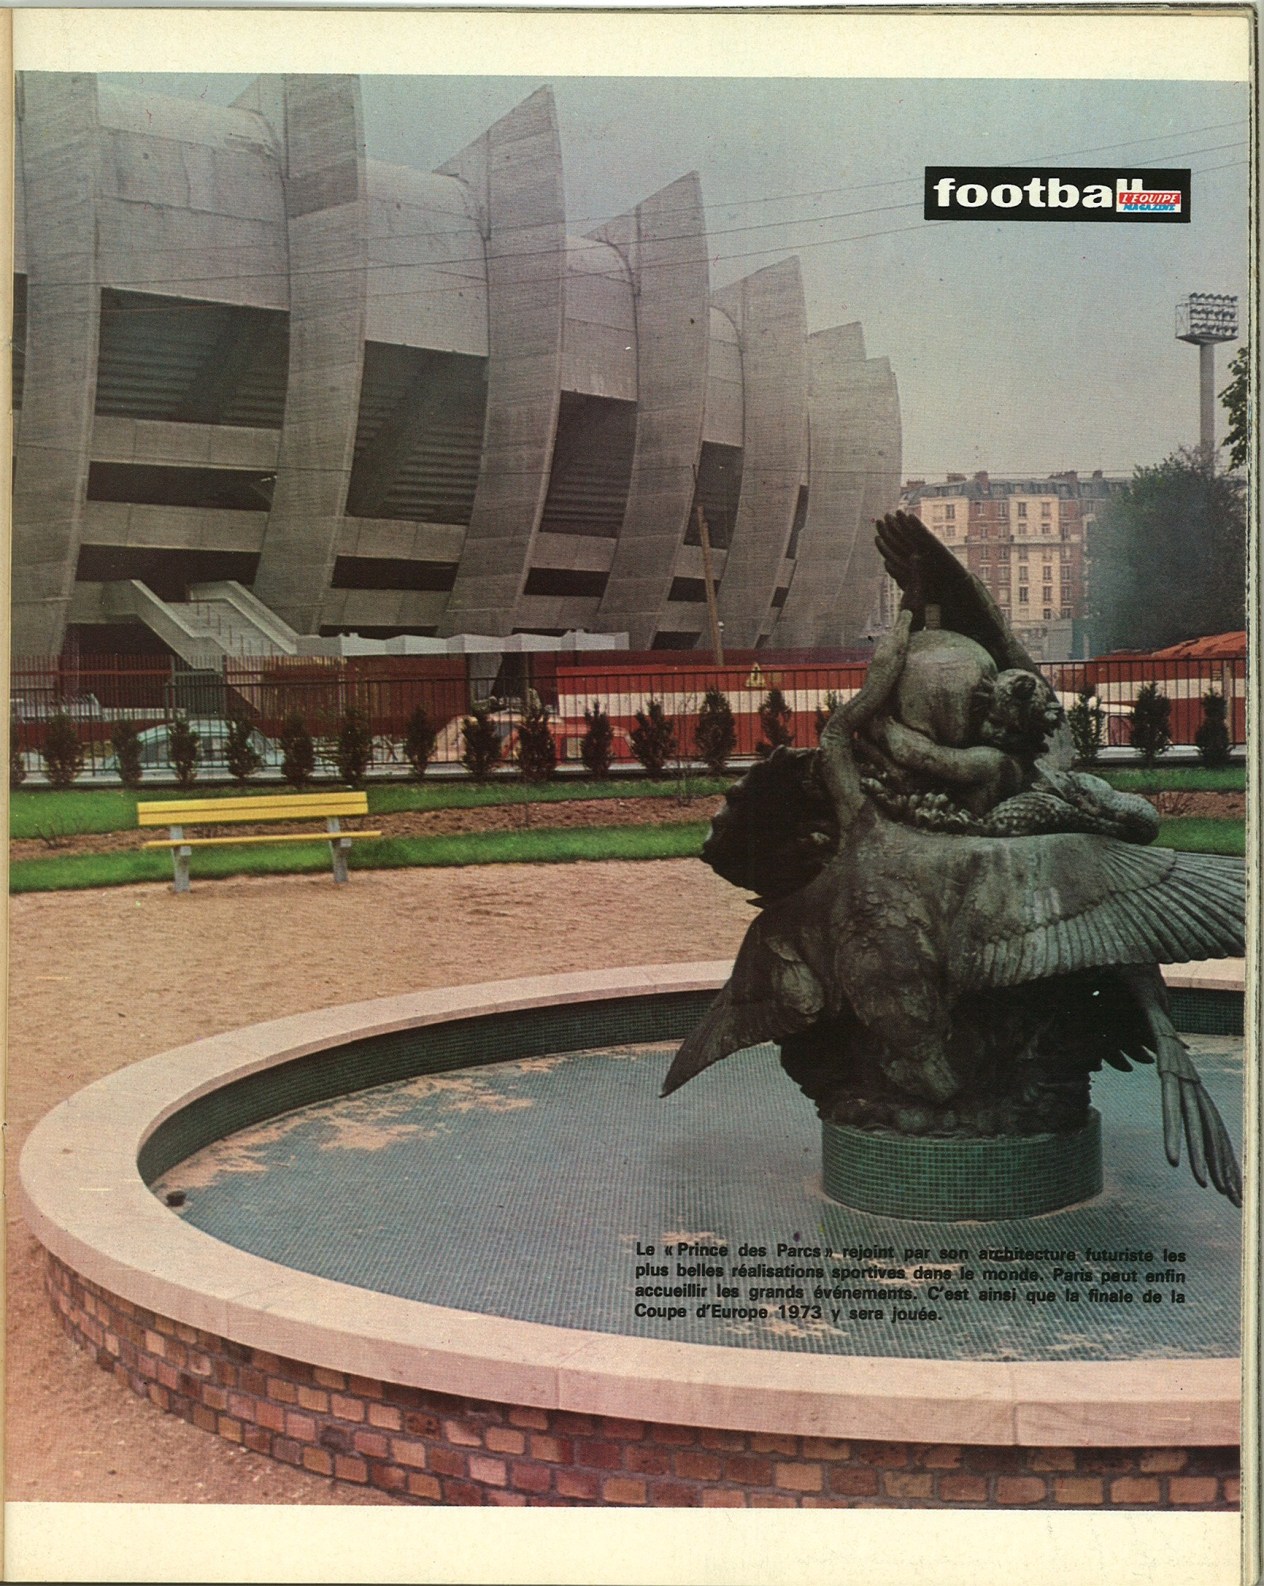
column 155, row 748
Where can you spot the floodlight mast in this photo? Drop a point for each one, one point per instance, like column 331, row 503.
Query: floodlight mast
column 1203, row 319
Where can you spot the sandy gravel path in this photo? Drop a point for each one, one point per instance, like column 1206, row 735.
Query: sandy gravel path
column 102, row 979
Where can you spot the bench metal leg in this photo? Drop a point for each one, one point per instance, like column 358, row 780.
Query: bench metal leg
column 338, row 850
column 180, row 861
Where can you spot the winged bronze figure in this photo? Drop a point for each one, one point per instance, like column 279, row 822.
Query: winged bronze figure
column 954, row 934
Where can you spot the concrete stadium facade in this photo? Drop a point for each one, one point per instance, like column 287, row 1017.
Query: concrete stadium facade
column 385, row 401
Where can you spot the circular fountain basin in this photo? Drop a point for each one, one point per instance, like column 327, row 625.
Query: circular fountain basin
column 407, row 1235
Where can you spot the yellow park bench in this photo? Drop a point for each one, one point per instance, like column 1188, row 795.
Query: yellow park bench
column 253, row 810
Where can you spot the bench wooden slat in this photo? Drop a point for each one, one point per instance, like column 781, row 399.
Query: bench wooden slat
column 203, row 812
column 273, row 837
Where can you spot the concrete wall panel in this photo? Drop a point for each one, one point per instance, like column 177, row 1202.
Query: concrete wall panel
column 836, row 482
column 427, row 282
column 768, row 310
column 514, row 172
column 327, row 205
column 664, row 243
column 60, row 174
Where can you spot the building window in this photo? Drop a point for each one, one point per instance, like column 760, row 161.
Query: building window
column 1022, row 575
column 1022, row 509
column 950, row 512
column 1046, row 509
column 1048, row 614
column 1022, row 596
column 1022, row 553
column 1066, row 612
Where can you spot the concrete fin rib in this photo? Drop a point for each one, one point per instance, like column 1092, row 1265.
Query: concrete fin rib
column 878, row 459
column 768, row 310
column 60, row 156
column 840, row 421
column 514, row 172
column 326, row 202
column 664, row 244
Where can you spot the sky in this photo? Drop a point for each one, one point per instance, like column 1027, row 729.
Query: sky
column 1022, row 348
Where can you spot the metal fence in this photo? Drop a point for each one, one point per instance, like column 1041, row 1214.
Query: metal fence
column 99, row 692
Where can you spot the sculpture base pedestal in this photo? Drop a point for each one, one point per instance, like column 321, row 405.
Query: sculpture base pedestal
column 899, row 1175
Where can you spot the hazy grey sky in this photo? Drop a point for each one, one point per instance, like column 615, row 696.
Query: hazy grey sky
column 1017, row 347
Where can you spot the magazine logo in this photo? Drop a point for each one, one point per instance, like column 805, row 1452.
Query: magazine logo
column 1083, row 193
column 1153, row 202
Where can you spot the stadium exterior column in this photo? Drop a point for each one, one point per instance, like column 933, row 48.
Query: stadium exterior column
column 60, row 158
column 664, row 243
column 768, row 310
column 326, row 199
column 877, row 443
column 515, row 173
column 846, row 420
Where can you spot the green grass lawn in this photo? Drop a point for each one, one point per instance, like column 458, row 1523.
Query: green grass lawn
column 40, row 812
column 66, row 872
column 1175, row 779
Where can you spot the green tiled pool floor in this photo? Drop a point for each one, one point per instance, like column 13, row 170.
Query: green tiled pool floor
column 524, row 1189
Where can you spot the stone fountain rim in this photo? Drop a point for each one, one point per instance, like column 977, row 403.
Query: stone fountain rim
column 101, row 1221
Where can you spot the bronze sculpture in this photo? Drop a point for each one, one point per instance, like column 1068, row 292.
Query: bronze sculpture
column 953, row 933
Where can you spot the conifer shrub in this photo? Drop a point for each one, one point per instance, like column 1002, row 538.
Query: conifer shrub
column 824, row 711
column 420, row 738
column 776, row 722
column 596, row 748
column 537, row 748
column 1087, row 721
column 242, row 757
column 1150, row 723
column 353, row 746
column 481, row 751
column 183, row 745
column 62, row 752
column 715, row 733
column 1212, row 737
column 653, row 738
column 125, row 742
column 298, row 752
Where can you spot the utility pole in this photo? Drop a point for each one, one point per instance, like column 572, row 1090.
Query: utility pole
column 713, row 614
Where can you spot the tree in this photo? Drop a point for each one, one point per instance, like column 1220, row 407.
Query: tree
column 776, row 722
column 354, row 747
column 824, row 711
column 420, row 738
column 62, row 752
column 125, row 741
column 715, row 734
column 1236, row 401
column 653, row 738
column 596, row 749
column 1087, row 721
column 298, row 752
column 481, row 741
column 537, row 748
column 1150, row 723
column 1212, row 736
column 183, row 745
column 240, row 754
column 1167, row 556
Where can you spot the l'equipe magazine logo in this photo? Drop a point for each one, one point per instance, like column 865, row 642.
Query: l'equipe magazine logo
column 1023, row 192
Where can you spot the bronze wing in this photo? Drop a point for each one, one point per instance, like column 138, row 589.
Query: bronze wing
column 771, row 993
column 1042, row 906
column 929, row 574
